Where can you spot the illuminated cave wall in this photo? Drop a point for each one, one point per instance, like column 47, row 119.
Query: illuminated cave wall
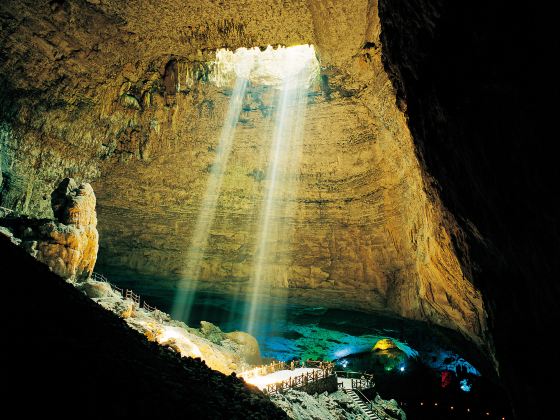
column 117, row 94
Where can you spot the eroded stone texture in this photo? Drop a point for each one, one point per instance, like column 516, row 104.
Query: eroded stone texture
column 69, row 244
column 365, row 230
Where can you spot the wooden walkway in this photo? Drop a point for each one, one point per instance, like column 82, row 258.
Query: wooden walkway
column 354, row 380
column 320, row 370
column 299, row 381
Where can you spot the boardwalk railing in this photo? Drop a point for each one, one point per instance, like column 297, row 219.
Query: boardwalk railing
column 322, row 370
column 319, row 364
column 276, row 366
column 264, row 370
column 299, row 381
column 99, row 277
column 117, row 289
column 125, row 293
column 149, row 308
column 359, row 380
column 130, row 295
column 376, row 410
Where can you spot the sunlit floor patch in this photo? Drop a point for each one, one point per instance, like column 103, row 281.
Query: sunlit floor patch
column 282, row 375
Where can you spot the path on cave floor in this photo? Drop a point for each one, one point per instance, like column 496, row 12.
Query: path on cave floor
column 344, row 383
column 281, row 376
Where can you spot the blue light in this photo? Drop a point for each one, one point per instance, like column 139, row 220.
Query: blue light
column 343, row 352
column 465, row 386
column 402, row 368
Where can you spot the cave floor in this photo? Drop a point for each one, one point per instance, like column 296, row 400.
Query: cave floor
column 412, row 373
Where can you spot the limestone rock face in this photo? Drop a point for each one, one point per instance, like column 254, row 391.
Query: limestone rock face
column 128, row 101
column 69, row 244
column 483, row 133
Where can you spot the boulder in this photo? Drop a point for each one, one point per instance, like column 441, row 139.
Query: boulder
column 248, row 346
column 97, row 289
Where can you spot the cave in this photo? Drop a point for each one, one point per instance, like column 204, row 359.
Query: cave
column 368, row 184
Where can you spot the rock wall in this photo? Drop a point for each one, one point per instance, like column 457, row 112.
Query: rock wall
column 125, row 102
column 475, row 81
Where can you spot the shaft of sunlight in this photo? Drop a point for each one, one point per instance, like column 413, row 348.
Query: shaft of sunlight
column 278, row 203
column 207, row 210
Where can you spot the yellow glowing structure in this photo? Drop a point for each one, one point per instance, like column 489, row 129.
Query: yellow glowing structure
column 384, row 344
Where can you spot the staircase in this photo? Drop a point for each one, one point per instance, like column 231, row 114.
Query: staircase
column 360, row 403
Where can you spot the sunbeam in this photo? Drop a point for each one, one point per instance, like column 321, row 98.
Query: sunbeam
column 288, row 73
column 207, row 209
column 280, row 196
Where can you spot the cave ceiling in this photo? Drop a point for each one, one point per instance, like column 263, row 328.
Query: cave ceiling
column 119, row 94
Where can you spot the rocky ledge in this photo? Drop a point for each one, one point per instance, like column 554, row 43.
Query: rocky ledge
column 225, row 352
column 67, row 354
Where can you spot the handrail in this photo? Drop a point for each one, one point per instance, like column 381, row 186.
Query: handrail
column 263, row 370
column 353, row 375
column 319, row 364
column 381, row 414
column 323, row 370
column 117, row 288
column 148, row 307
column 130, row 295
column 358, row 380
column 125, row 293
column 299, row 381
column 99, row 277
